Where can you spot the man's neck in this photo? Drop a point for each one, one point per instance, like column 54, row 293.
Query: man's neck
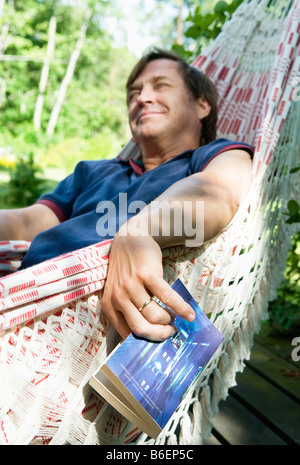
column 154, row 156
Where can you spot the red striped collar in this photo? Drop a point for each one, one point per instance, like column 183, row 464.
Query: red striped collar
column 137, row 166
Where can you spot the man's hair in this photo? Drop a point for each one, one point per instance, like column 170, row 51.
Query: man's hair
column 197, row 83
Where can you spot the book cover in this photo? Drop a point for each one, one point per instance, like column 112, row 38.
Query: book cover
column 153, row 377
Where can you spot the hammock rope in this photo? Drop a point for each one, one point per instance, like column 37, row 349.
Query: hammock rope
column 52, row 332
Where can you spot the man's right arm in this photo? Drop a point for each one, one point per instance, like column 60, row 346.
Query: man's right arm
column 26, row 223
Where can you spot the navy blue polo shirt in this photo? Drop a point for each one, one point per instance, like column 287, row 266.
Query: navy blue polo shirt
column 91, row 203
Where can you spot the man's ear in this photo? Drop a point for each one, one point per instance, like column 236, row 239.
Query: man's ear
column 203, row 108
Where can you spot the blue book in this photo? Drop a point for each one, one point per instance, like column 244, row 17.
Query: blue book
column 146, row 381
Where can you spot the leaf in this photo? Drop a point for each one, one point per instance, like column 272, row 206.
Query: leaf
column 233, row 6
column 293, row 207
column 193, row 32
column 294, row 170
column 205, row 21
column 221, row 7
column 293, row 219
column 180, row 50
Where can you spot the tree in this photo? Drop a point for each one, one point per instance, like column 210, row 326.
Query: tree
column 44, row 74
column 203, row 24
column 60, row 75
column 69, row 74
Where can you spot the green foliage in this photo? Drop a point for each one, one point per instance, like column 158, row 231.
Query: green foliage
column 180, row 50
column 24, row 186
column 209, row 24
column 204, row 26
column 284, row 312
column 293, row 212
column 94, row 103
column 293, row 206
column 66, row 153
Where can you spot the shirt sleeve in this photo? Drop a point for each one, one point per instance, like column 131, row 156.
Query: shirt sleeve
column 205, row 154
column 54, row 207
column 62, row 198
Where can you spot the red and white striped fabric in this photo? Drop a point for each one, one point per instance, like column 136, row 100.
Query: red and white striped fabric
column 11, row 255
column 41, row 288
column 53, row 334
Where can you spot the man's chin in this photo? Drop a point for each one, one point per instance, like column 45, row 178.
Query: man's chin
column 145, row 134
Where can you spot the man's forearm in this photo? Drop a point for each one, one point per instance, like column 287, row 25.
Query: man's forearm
column 11, row 227
column 26, row 223
column 190, row 212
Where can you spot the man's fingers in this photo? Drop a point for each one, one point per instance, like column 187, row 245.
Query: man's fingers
column 142, row 327
column 131, row 320
column 116, row 318
column 153, row 312
column 139, row 296
column 170, row 298
column 120, row 325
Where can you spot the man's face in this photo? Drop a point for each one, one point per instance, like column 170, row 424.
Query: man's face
column 161, row 108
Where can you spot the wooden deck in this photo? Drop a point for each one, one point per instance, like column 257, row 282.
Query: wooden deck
column 264, row 407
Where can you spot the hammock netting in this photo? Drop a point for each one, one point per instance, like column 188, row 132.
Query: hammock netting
column 53, row 335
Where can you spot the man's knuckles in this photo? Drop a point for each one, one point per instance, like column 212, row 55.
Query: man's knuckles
column 157, row 315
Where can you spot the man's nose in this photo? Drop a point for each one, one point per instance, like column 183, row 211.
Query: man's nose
column 146, row 95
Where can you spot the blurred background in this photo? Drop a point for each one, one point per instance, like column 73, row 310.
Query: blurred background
column 64, row 65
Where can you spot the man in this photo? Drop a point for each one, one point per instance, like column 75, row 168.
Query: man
column 172, row 111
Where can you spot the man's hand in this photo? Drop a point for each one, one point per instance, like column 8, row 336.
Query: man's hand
column 135, row 274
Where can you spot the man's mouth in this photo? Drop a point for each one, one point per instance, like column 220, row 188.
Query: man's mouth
column 146, row 114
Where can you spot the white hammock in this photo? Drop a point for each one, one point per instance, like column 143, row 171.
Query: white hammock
column 53, row 335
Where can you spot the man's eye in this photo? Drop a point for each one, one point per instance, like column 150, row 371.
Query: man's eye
column 133, row 95
column 161, row 85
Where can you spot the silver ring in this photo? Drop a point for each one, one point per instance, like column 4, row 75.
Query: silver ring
column 141, row 308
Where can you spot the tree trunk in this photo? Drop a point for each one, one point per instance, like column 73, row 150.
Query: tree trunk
column 179, row 24
column 4, row 38
column 68, row 76
column 2, row 91
column 44, row 75
column 2, row 7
